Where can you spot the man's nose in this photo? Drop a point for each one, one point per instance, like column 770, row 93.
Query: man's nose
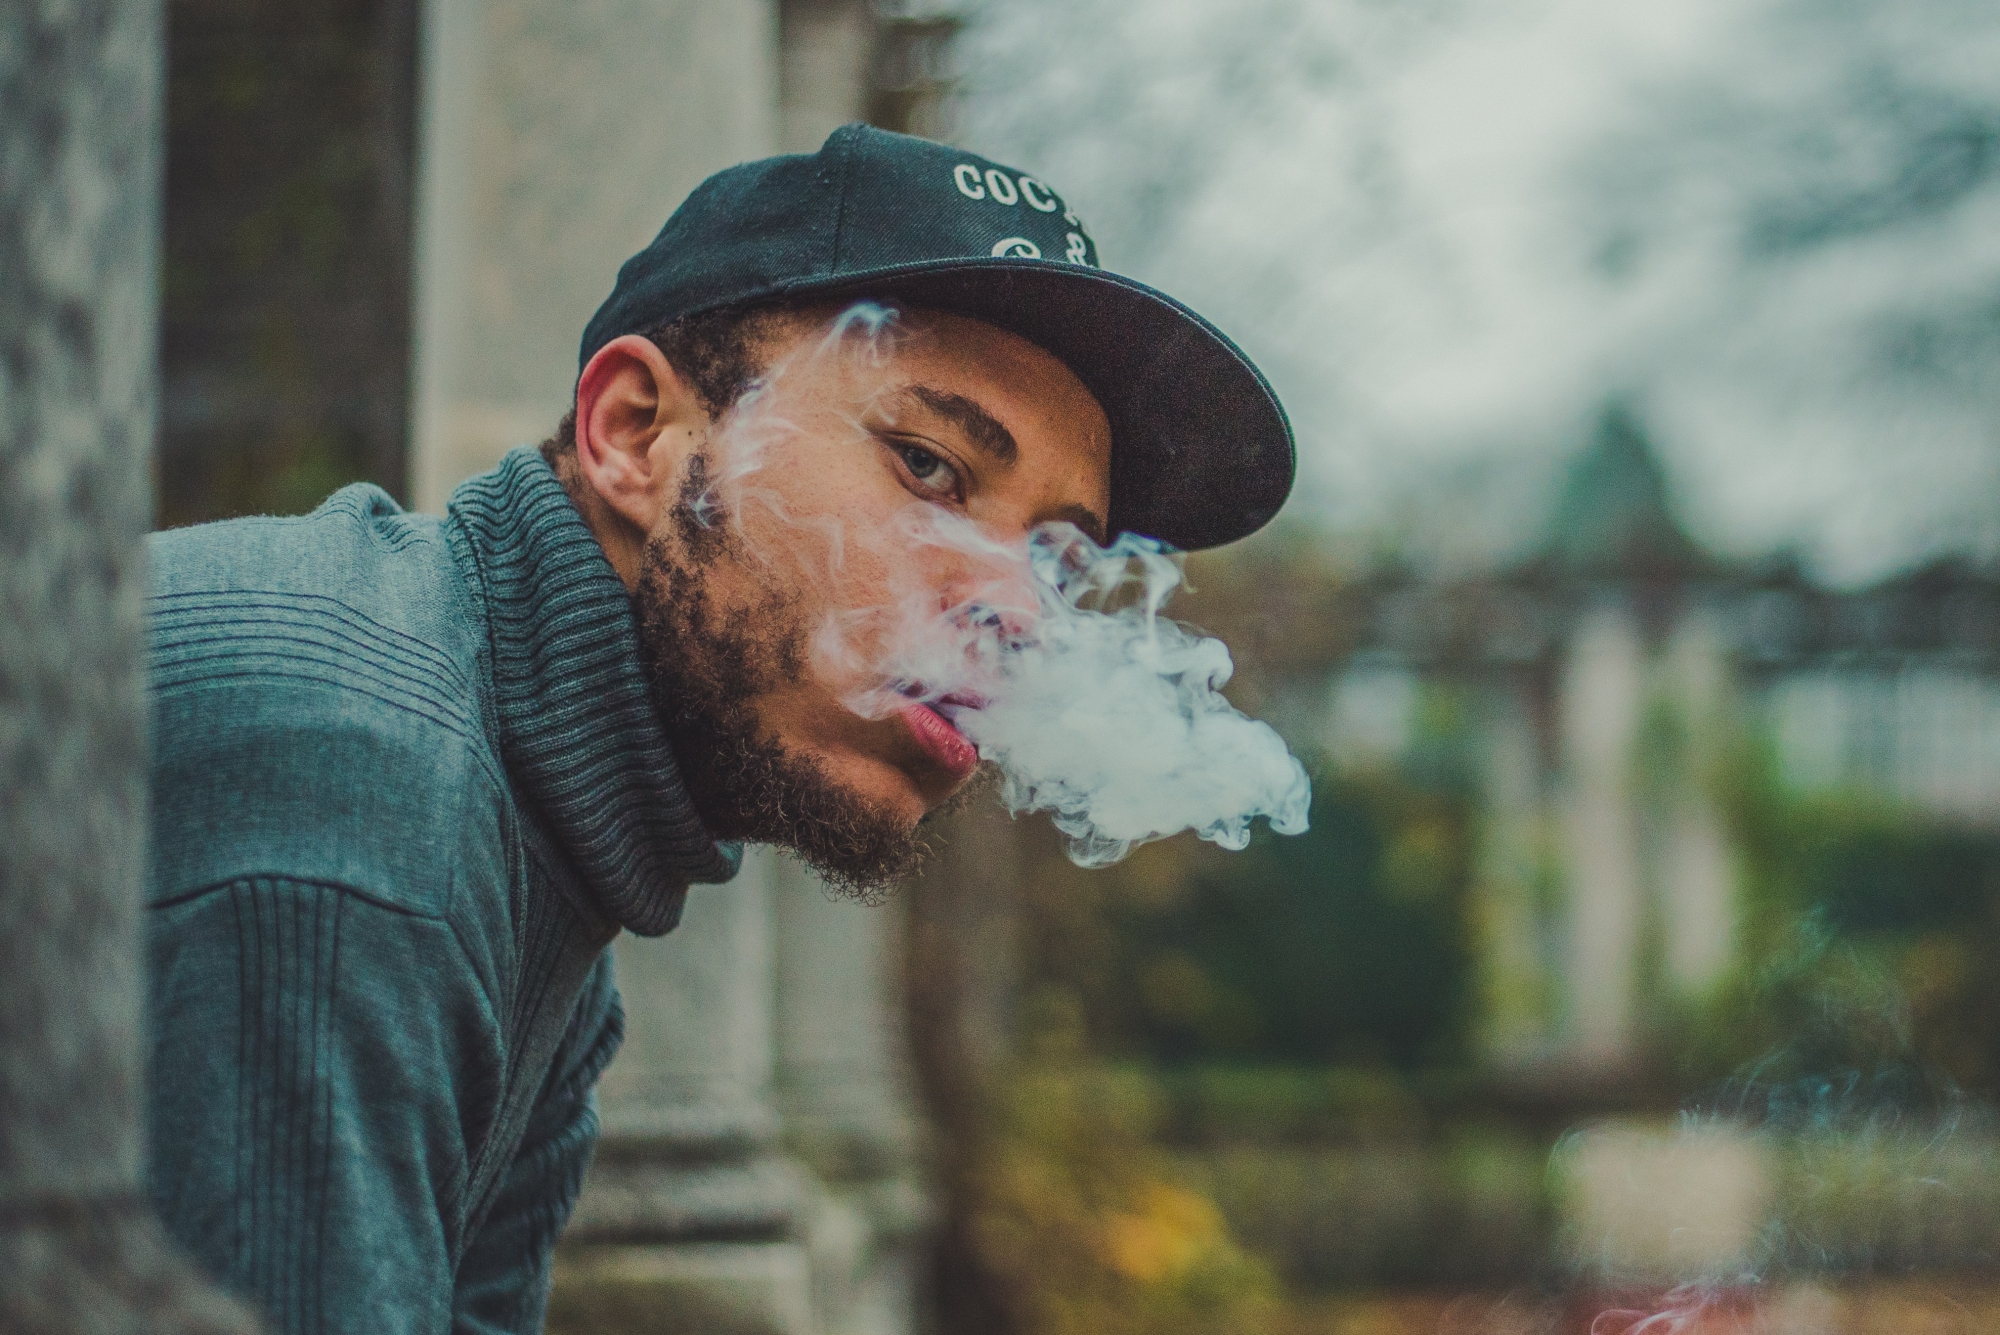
column 1003, row 604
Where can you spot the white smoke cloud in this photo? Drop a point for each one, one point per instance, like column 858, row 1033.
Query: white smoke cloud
column 1115, row 722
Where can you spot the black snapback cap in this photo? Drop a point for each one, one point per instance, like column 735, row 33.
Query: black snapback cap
column 1201, row 452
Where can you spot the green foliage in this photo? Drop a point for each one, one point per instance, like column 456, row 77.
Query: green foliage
column 1870, row 953
column 1206, row 1105
column 1465, row 1208
column 1344, row 945
column 1085, row 1222
column 1276, row 1016
column 285, row 471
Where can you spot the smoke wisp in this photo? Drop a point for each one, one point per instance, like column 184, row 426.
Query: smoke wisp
column 1845, row 1157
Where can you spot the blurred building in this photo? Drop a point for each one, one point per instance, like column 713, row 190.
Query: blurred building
column 1606, row 683
column 387, row 224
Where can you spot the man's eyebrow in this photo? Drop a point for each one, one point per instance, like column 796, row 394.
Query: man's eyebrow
column 979, row 426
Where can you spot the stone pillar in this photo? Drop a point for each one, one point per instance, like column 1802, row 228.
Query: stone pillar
column 691, row 1219
column 845, row 1088
column 1695, row 865
column 553, row 141
column 1600, row 706
column 80, row 1253
column 825, row 51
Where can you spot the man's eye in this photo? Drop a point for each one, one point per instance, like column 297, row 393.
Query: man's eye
column 934, row 473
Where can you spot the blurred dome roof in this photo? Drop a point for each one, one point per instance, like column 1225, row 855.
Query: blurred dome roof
column 1615, row 519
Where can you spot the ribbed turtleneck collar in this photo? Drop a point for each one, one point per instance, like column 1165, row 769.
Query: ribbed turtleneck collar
column 581, row 738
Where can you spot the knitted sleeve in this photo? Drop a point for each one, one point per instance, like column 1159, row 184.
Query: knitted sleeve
column 320, row 1062
column 503, row 1280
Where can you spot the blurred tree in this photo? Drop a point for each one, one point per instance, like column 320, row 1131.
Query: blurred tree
column 1871, row 956
column 959, row 981
column 1082, row 1220
column 1344, row 945
column 285, row 335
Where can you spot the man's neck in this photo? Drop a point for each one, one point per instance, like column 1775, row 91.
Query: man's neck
column 623, row 547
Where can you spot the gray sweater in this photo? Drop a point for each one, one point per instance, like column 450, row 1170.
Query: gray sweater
column 407, row 786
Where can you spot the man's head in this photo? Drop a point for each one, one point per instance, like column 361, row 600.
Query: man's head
column 771, row 537
column 747, row 527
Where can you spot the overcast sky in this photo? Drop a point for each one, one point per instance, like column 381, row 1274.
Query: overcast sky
column 1451, row 231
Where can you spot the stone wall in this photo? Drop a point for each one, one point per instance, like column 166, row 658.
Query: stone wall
column 553, row 142
column 80, row 1251
column 758, row 1170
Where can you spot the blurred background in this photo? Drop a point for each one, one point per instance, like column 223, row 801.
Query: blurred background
column 1638, row 614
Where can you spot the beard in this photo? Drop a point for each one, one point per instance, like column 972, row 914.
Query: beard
column 707, row 663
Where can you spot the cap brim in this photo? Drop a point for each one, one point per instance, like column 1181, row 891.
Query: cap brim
column 1201, row 451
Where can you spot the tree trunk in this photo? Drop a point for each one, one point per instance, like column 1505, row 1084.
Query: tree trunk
column 961, row 965
column 79, row 183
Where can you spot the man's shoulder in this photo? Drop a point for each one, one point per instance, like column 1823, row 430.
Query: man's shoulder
column 357, row 606
column 358, row 548
column 320, row 708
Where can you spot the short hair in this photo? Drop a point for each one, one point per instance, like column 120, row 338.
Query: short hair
column 720, row 353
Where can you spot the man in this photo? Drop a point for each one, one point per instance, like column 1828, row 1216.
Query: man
column 413, row 775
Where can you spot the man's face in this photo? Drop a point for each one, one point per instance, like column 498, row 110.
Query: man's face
column 802, row 513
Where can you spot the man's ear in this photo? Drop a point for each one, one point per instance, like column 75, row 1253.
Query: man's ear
column 637, row 422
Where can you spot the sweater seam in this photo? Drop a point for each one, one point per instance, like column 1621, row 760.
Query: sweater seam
column 370, row 897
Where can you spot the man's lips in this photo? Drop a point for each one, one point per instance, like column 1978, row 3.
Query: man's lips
column 944, row 744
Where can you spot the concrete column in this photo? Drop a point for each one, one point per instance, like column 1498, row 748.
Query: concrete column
column 845, row 1088
column 845, row 1081
column 1600, row 711
column 696, row 1064
column 825, row 50
column 79, row 213
column 553, row 141
column 1696, row 867
column 691, row 1218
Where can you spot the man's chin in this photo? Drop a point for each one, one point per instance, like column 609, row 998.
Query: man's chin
column 859, row 842
column 866, row 831
column 862, row 855
column 975, row 785
column 895, row 792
